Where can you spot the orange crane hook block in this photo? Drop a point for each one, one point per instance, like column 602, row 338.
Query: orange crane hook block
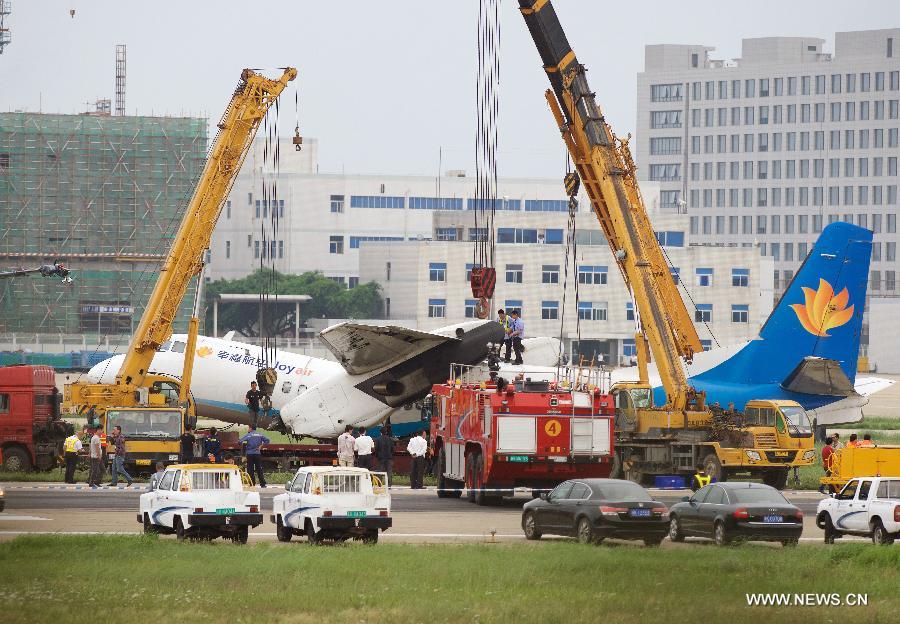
column 484, row 280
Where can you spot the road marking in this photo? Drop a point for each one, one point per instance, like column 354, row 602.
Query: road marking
column 17, row 518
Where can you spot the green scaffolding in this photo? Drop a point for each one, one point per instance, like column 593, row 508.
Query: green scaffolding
column 102, row 194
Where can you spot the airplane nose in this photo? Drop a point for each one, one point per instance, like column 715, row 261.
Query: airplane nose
column 105, row 371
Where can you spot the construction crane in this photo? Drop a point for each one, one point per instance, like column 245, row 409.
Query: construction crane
column 134, row 387
column 684, row 433
column 57, row 269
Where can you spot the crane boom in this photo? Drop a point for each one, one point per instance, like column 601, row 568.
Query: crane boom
column 248, row 106
column 607, row 170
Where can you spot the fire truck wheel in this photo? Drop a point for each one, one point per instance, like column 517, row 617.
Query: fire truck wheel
column 446, row 488
column 16, row 459
column 470, row 477
column 481, row 497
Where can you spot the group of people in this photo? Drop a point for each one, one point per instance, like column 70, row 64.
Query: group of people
column 73, row 444
column 363, row 451
column 514, row 332
column 833, row 443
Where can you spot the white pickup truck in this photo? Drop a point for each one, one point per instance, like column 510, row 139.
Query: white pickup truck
column 329, row 502
column 865, row 506
column 201, row 501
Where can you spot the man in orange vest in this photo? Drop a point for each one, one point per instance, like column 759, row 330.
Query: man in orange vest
column 867, row 441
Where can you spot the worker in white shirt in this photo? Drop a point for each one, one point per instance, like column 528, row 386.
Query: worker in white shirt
column 96, row 448
column 70, row 448
column 363, row 447
column 345, row 447
column 417, row 447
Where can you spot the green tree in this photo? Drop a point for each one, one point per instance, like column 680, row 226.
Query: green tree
column 330, row 299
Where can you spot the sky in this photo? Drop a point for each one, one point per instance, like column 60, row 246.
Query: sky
column 383, row 86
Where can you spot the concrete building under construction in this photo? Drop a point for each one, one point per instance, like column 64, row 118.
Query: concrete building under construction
column 102, row 194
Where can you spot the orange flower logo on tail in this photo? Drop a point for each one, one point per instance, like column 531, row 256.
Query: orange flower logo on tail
column 204, row 351
column 823, row 310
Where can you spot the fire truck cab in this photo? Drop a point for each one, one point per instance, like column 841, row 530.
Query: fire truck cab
column 491, row 435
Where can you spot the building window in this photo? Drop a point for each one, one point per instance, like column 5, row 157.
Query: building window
column 670, row 239
column 435, row 203
column 547, row 205
column 281, row 249
column 356, row 240
column 256, row 249
column 337, row 203
column 447, row 233
column 550, row 274
column 513, row 305
column 516, row 235
column 387, row 271
column 387, row 307
column 227, row 205
column 665, row 173
column 674, row 272
column 589, row 311
column 470, row 307
column 703, row 313
column 661, row 146
column 588, row 274
column 227, row 249
column 665, row 119
column 553, row 236
column 478, row 234
column 740, row 277
column 513, row 274
column 740, row 313
column 336, row 244
column 669, row 199
column 666, row 92
column 704, row 277
column 628, row 348
column 437, row 272
column 629, row 310
column 549, row 310
column 376, row 201
column 437, row 308
column 352, row 282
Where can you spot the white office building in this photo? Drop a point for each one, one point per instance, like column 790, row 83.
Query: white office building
column 428, row 281
column 766, row 150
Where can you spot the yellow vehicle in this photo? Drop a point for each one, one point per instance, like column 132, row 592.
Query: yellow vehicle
column 862, row 461
column 147, row 403
column 684, row 432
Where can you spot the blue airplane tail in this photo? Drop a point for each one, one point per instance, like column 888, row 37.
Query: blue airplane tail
column 815, row 327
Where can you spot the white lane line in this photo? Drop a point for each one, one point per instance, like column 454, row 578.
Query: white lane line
column 15, row 518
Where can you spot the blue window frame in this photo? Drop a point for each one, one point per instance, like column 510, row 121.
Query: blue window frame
column 704, row 277
column 589, row 311
column 498, row 204
column 470, row 307
column 517, row 235
column 554, row 237
column 629, row 349
column 674, row 272
column 337, row 203
column 706, row 344
column 550, row 274
column 592, row 274
column 469, row 267
column 478, row 234
column 703, row 313
column 549, row 310
column 437, row 271
column 435, row 203
column 670, row 239
column 376, row 201
column 446, row 233
column 546, row 205
column 356, row 240
column 437, row 308
column 513, row 305
column 740, row 313
column 629, row 311
column 740, row 277
column 514, row 274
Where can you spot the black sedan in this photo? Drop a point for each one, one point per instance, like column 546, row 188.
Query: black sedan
column 594, row 509
column 727, row 512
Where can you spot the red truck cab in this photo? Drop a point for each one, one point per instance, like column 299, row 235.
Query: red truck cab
column 494, row 436
column 31, row 432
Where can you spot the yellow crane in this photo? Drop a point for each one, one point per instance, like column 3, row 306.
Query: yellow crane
column 154, row 409
column 684, row 433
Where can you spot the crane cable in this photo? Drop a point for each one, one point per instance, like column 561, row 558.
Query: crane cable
column 572, row 184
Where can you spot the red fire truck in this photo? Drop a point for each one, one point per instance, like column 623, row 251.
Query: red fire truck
column 491, row 436
column 31, row 432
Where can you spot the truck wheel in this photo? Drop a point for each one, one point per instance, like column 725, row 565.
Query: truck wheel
column 16, row 459
column 776, row 478
column 180, row 532
column 470, row 477
column 481, row 498
column 371, row 537
column 240, row 535
column 282, row 532
column 529, row 527
column 314, row 537
column 880, row 536
column 149, row 527
column 446, row 488
column 713, row 468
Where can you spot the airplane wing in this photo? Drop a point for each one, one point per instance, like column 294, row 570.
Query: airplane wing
column 364, row 348
column 867, row 386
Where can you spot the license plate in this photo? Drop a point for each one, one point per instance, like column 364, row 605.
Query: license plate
column 142, row 462
column 517, row 458
column 781, row 453
column 560, row 459
column 225, row 511
column 773, row 518
column 640, row 513
column 356, row 514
